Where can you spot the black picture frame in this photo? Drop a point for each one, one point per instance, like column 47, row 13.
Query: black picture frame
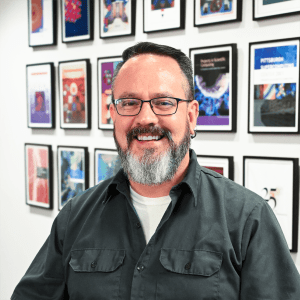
column 40, row 95
column 105, row 70
column 110, row 164
column 71, row 182
column 274, row 86
column 75, row 94
column 276, row 179
column 108, row 27
column 38, row 175
column 205, row 14
column 274, row 9
column 224, row 165
column 42, row 23
column 159, row 18
column 77, row 21
column 217, row 107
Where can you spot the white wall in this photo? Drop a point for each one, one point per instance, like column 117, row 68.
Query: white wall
column 23, row 229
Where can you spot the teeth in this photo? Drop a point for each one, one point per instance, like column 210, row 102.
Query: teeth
column 147, row 138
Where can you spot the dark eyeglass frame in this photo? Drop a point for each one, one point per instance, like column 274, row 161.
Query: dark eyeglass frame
column 177, row 99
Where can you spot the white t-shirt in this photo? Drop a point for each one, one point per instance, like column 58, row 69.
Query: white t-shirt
column 150, row 211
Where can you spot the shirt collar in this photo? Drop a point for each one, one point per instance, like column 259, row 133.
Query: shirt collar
column 121, row 183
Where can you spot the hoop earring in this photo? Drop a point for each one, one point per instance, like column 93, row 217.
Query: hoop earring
column 194, row 135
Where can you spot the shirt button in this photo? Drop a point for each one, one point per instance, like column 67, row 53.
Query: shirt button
column 187, row 266
column 138, row 225
column 140, row 268
column 93, row 264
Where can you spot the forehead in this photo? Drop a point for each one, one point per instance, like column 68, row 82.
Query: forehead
column 150, row 71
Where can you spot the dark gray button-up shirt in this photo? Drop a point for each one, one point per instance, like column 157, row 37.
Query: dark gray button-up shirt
column 217, row 240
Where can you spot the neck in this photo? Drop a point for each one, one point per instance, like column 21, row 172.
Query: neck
column 155, row 191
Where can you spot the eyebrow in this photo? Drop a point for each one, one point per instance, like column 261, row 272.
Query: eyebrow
column 134, row 95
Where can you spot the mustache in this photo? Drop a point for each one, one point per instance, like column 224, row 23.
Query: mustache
column 154, row 130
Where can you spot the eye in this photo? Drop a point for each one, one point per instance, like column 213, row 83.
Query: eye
column 164, row 102
column 129, row 102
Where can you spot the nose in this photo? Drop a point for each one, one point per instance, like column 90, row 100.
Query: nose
column 146, row 115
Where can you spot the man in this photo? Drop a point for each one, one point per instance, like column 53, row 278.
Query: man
column 163, row 227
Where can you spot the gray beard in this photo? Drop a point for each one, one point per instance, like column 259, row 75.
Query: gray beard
column 153, row 169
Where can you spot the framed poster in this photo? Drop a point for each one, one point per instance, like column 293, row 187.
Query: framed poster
column 274, row 86
column 276, row 179
column 106, row 68
column 40, row 95
column 75, row 94
column 265, row 9
column 117, row 18
column 162, row 15
column 208, row 12
column 77, row 20
column 38, row 175
column 215, row 81
column 41, row 22
column 107, row 164
column 73, row 172
column 220, row 164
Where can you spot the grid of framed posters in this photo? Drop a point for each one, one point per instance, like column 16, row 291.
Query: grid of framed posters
column 40, row 95
column 41, row 22
column 274, row 86
column 215, row 81
column 106, row 67
column 265, row 9
column 117, row 18
column 107, row 164
column 77, row 20
column 277, row 181
column 75, row 94
column 73, row 172
column 207, row 12
column 220, row 164
column 161, row 15
column 38, row 175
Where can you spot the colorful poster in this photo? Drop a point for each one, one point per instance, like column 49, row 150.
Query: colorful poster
column 163, row 15
column 274, row 85
column 215, row 76
column 115, row 18
column 211, row 7
column 37, row 175
column 215, row 11
column 39, row 95
column 107, row 164
column 41, row 25
column 212, row 87
column 106, row 68
column 72, row 173
column 73, row 94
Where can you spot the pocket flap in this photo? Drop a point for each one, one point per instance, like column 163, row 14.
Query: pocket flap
column 96, row 260
column 193, row 262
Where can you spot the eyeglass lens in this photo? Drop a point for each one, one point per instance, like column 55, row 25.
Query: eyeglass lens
column 161, row 106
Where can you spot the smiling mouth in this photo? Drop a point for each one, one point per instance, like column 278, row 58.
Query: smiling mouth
column 149, row 138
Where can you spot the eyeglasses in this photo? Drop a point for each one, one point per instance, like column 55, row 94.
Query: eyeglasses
column 161, row 106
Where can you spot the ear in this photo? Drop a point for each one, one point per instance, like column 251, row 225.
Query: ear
column 112, row 111
column 193, row 113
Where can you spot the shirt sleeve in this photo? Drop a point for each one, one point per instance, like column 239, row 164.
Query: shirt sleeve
column 44, row 279
column 268, row 271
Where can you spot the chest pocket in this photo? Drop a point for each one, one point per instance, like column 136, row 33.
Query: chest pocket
column 95, row 272
column 189, row 274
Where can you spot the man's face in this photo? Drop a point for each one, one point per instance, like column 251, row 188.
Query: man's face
column 146, row 77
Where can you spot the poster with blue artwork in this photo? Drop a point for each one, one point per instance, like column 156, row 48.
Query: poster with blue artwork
column 107, row 164
column 76, row 20
column 274, row 86
column 72, row 172
column 215, row 89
